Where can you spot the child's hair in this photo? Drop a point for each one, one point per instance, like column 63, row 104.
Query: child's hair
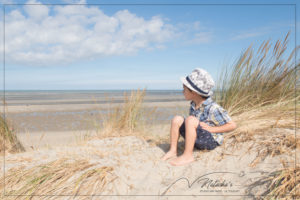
column 188, row 89
column 198, row 94
column 204, row 97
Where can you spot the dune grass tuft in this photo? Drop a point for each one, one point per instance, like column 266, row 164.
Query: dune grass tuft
column 126, row 118
column 278, row 144
column 280, row 184
column 285, row 182
column 260, row 90
column 260, row 78
column 59, row 177
column 8, row 138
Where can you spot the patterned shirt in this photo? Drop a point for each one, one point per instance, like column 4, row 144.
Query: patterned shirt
column 212, row 114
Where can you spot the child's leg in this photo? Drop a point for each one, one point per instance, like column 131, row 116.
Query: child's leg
column 174, row 135
column 191, row 124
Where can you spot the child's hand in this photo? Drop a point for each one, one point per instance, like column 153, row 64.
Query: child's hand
column 205, row 126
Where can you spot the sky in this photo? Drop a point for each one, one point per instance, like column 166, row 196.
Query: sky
column 94, row 45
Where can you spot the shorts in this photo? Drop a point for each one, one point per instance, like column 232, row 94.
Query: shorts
column 204, row 139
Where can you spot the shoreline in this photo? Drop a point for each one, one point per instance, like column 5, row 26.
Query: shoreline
column 77, row 107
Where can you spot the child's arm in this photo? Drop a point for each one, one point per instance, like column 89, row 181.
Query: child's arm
column 229, row 126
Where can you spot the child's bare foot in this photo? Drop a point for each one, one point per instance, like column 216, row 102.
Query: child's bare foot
column 182, row 160
column 168, row 155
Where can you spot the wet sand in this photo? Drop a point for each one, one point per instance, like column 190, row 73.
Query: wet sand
column 44, row 111
column 40, row 121
column 37, row 118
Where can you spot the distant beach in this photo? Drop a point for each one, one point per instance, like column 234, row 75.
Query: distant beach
column 73, row 110
column 54, row 97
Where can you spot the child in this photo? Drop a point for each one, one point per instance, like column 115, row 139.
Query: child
column 206, row 122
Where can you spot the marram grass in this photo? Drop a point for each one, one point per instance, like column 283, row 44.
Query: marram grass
column 285, row 184
column 71, row 177
column 260, row 90
column 126, row 118
column 280, row 184
column 8, row 139
column 265, row 77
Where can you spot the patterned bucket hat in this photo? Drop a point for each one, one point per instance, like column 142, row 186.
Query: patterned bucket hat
column 200, row 82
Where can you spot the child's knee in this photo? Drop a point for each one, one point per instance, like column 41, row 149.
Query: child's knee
column 177, row 120
column 191, row 121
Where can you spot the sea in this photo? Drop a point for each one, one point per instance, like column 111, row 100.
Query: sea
column 50, row 97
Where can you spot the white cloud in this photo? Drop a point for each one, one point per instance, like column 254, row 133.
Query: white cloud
column 202, row 37
column 46, row 35
column 36, row 11
column 6, row 1
column 195, row 33
column 260, row 31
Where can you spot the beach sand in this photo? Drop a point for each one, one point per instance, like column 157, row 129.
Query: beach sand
column 64, row 117
column 135, row 160
column 138, row 169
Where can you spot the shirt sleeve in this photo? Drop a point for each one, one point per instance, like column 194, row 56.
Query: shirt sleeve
column 219, row 115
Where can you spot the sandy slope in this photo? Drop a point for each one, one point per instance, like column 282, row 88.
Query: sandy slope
column 140, row 171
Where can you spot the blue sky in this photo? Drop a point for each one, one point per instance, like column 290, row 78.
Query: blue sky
column 52, row 47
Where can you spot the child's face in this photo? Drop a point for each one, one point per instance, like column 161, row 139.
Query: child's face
column 188, row 94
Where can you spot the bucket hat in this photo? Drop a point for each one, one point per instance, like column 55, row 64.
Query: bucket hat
column 200, row 82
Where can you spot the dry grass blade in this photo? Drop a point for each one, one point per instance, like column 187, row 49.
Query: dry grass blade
column 8, row 136
column 259, row 91
column 131, row 110
column 279, row 144
column 286, row 182
column 60, row 177
column 280, row 184
column 262, row 77
column 126, row 118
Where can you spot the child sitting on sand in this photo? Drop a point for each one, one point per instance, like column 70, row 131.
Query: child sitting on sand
column 206, row 122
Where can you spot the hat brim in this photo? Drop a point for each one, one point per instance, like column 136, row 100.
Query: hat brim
column 187, row 84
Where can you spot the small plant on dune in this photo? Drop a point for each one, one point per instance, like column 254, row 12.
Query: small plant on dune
column 281, row 184
column 68, row 177
column 8, row 139
column 285, row 182
column 132, row 111
column 271, row 146
column 125, row 118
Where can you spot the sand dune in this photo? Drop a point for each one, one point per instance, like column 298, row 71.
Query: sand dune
column 136, row 169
